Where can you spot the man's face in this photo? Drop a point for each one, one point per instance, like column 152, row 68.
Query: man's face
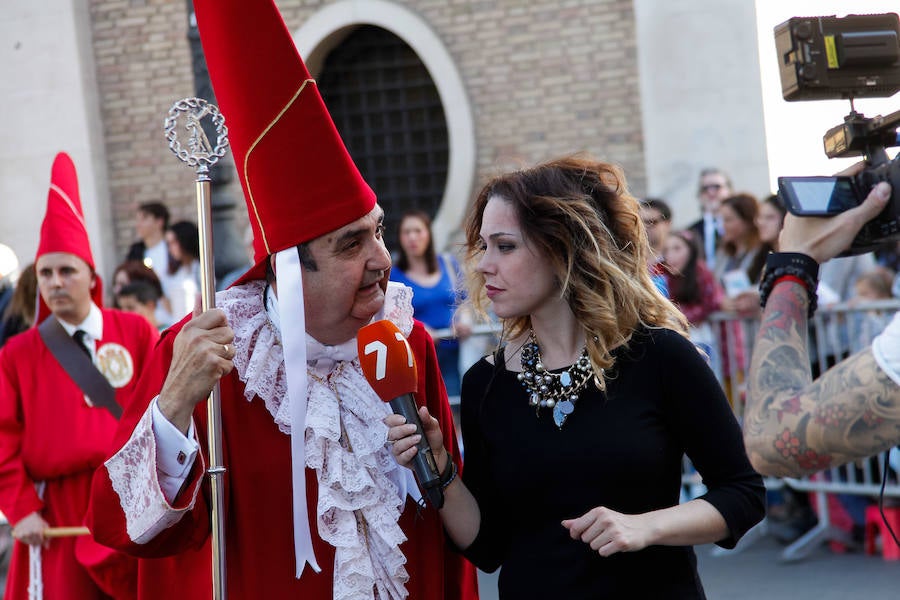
column 347, row 288
column 146, row 225
column 657, row 227
column 713, row 189
column 65, row 282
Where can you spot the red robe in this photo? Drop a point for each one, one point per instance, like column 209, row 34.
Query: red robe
column 49, row 433
column 258, row 496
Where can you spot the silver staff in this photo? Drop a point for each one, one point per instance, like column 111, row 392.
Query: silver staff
column 202, row 155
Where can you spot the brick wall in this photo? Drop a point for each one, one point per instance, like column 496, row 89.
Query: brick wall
column 143, row 66
column 545, row 77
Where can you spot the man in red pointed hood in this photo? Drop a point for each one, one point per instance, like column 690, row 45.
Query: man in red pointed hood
column 315, row 504
column 54, row 428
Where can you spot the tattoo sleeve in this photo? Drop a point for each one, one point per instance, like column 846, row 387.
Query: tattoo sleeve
column 793, row 425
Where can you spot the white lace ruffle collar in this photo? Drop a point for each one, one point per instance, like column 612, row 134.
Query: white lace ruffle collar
column 361, row 487
column 259, row 359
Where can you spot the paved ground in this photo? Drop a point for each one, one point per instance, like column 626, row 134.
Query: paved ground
column 757, row 572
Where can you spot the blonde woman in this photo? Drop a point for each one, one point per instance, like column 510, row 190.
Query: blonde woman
column 575, row 428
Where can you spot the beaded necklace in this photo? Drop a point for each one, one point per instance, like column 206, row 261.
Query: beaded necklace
column 558, row 391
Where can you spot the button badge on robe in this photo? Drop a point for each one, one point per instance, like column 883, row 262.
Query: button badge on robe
column 114, row 361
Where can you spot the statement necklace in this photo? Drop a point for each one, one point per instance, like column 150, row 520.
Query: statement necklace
column 558, row 391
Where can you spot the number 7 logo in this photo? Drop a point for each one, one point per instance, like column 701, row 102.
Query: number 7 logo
column 381, row 354
column 387, row 360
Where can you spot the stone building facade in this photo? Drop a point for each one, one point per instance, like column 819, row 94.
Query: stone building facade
column 543, row 78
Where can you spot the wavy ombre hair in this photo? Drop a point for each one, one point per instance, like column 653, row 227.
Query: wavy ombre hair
column 577, row 212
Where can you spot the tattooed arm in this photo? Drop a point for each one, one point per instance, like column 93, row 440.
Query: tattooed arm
column 793, row 425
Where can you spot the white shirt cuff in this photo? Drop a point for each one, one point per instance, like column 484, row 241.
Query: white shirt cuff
column 886, row 349
column 175, row 453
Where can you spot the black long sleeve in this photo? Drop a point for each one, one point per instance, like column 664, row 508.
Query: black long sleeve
column 622, row 450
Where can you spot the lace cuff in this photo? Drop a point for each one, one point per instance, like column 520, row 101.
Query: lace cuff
column 133, row 475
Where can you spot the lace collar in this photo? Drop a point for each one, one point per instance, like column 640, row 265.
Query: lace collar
column 259, row 360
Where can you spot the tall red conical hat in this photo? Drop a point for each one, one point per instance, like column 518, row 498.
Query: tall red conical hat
column 64, row 229
column 299, row 181
column 298, row 178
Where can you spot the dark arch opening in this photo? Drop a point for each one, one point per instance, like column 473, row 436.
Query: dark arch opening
column 389, row 113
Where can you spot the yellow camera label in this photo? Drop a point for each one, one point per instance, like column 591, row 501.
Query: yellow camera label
column 831, row 52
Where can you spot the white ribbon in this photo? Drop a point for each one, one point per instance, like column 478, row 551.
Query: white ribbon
column 323, row 358
column 292, row 320
column 35, row 564
column 35, row 580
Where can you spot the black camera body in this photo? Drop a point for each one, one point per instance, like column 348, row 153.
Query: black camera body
column 845, row 57
column 828, row 196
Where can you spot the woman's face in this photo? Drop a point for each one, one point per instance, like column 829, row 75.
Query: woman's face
column 769, row 222
column 414, row 237
column 518, row 280
column 174, row 246
column 676, row 253
column 734, row 228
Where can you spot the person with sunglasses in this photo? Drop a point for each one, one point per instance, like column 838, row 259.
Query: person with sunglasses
column 714, row 187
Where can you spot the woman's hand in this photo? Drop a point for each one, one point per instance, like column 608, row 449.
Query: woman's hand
column 608, row 531
column 403, row 438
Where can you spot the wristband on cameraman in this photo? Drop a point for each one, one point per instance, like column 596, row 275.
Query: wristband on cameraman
column 793, row 265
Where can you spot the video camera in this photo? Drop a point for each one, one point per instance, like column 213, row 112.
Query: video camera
column 849, row 57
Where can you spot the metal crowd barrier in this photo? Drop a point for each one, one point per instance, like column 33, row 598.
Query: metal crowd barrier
column 835, row 332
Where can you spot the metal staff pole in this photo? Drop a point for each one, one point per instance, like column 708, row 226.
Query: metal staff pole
column 201, row 155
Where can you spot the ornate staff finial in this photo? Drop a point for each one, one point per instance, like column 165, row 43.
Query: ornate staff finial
column 201, row 154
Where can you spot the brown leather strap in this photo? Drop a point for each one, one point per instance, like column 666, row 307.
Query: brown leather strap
column 78, row 365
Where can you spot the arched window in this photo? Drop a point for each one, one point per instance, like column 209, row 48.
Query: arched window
column 388, row 111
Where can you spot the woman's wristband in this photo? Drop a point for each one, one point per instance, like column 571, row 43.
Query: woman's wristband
column 448, row 474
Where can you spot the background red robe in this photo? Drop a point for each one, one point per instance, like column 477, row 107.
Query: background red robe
column 49, row 433
column 258, row 494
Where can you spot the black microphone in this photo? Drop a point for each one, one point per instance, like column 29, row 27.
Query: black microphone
column 390, row 368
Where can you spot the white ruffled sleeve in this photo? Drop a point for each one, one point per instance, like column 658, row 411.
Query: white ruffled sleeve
column 133, row 475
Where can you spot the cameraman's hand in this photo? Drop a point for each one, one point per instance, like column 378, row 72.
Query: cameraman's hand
column 823, row 238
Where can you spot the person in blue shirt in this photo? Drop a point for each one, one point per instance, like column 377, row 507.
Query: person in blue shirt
column 433, row 279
